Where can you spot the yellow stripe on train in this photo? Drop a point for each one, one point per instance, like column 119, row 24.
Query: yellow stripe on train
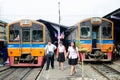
column 33, row 51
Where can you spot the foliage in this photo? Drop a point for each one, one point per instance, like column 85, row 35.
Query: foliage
column 78, row 44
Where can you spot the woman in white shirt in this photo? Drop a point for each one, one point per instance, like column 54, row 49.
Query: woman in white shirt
column 73, row 56
column 61, row 51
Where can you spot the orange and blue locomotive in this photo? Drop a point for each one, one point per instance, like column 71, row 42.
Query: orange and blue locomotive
column 96, row 37
column 26, row 42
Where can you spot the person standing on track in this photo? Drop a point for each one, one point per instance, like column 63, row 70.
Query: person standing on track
column 61, row 51
column 50, row 54
column 73, row 57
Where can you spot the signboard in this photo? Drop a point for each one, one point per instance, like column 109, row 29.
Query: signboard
column 25, row 23
column 96, row 20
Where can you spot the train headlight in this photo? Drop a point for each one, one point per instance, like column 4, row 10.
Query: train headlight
column 15, row 58
column 105, row 53
column 36, row 58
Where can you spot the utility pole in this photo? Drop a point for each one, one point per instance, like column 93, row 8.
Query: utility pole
column 59, row 22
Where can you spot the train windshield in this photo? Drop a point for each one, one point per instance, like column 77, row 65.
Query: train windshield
column 85, row 32
column 26, row 35
column 14, row 35
column 107, row 30
column 37, row 35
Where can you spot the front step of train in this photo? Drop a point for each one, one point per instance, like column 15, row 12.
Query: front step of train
column 26, row 60
column 96, row 55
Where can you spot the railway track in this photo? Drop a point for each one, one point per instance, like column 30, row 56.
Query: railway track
column 6, row 72
column 19, row 73
column 116, row 64
column 32, row 75
column 91, row 73
column 4, row 68
column 108, row 72
column 115, row 67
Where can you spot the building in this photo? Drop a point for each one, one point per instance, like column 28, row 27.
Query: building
column 3, row 30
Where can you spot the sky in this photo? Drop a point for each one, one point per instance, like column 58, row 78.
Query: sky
column 72, row 11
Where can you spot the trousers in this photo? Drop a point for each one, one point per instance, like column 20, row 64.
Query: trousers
column 49, row 59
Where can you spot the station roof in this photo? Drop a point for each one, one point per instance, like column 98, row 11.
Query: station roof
column 55, row 24
column 51, row 27
column 115, row 17
column 114, row 13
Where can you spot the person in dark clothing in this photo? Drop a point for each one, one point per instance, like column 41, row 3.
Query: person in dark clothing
column 50, row 54
column 3, row 51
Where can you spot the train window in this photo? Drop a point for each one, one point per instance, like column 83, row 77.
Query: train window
column 14, row 36
column 85, row 32
column 107, row 32
column 37, row 35
column 26, row 35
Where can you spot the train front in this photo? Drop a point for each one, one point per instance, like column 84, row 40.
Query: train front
column 26, row 42
column 96, row 37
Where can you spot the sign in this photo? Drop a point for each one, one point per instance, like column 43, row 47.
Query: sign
column 25, row 22
column 96, row 20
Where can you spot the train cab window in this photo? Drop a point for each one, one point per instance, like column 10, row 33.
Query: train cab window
column 25, row 35
column 37, row 35
column 85, row 32
column 14, row 36
column 107, row 32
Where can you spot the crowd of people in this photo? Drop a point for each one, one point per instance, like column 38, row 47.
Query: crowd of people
column 72, row 55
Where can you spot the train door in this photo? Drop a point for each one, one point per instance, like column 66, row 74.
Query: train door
column 26, row 44
column 95, row 36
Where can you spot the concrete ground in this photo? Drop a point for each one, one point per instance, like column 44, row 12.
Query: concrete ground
column 56, row 74
column 1, row 61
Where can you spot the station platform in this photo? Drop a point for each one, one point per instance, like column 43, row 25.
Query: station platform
column 56, row 74
column 1, row 60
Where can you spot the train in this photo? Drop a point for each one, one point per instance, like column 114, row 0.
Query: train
column 96, row 38
column 26, row 40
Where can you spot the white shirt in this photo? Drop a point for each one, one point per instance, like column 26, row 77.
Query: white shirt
column 72, row 52
column 49, row 48
column 61, row 48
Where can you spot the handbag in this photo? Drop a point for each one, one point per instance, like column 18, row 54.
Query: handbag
column 50, row 54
